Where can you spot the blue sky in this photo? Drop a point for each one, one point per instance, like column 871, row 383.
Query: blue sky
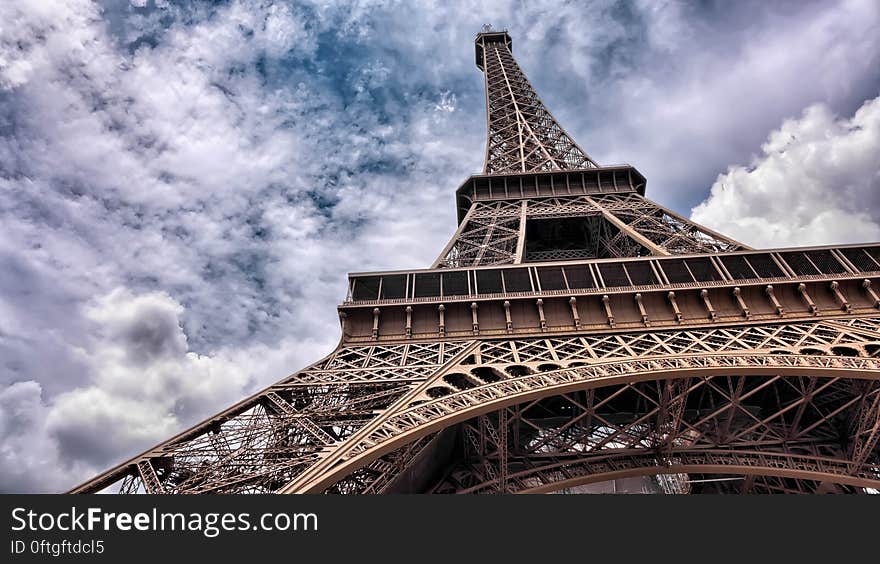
column 183, row 189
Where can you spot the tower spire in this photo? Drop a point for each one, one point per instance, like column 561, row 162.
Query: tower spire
column 522, row 134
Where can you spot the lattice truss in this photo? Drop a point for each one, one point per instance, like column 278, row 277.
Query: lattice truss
column 671, row 232
column 609, row 242
column 607, row 239
column 263, row 443
column 522, row 134
column 490, row 232
column 489, row 236
column 757, row 422
column 751, row 484
column 800, row 401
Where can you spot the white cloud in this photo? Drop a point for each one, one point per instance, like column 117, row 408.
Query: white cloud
column 145, row 379
column 29, row 458
column 446, row 102
column 817, row 182
column 145, row 385
column 686, row 89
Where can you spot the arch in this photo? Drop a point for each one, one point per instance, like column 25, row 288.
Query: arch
column 487, row 374
column 517, row 370
column 438, row 392
column 845, row 350
column 459, row 381
column 623, row 465
column 412, row 423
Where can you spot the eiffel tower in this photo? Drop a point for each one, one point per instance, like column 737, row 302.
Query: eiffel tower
column 573, row 333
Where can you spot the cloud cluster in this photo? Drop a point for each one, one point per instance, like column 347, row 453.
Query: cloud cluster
column 184, row 187
column 817, row 182
column 687, row 89
column 146, row 380
column 182, row 193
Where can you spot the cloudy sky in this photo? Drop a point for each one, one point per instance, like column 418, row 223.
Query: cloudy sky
column 182, row 190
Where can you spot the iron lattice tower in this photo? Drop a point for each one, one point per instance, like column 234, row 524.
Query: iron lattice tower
column 572, row 332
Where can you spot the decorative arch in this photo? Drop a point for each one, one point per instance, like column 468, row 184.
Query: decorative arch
column 435, row 414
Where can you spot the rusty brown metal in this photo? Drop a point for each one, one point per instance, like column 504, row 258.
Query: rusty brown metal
column 571, row 332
